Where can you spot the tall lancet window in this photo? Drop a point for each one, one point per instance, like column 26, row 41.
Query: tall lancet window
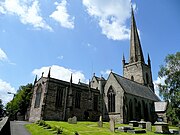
column 111, row 100
column 38, row 97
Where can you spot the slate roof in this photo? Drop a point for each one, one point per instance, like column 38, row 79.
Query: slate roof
column 135, row 88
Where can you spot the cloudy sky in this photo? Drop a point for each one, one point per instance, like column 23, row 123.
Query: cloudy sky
column 80, row 37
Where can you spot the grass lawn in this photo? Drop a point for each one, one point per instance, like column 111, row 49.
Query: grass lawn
column 83, row 128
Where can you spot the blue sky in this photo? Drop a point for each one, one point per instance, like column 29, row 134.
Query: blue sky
column 80, row 37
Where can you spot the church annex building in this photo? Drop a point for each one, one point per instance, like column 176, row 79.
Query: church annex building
column 127, row 97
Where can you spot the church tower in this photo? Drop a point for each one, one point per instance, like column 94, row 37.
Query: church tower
column 137, row 70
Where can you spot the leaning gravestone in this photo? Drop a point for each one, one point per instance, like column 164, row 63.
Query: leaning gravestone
column 112, row 124
column 72, row 120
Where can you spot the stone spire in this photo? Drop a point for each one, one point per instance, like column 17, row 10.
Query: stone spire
column 136, row 53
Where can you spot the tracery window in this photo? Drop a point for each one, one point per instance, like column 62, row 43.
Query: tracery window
column 59, row 97
column 111, row 100
column 38, row 97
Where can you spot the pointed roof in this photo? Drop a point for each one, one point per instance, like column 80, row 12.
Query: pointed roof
column 134, row 88
column 136, row 53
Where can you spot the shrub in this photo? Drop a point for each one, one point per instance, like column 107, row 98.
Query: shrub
column 37, row 122
column 42, row 123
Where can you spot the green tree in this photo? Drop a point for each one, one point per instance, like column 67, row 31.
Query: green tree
column 20, row 101
column 170, row 90
column 1, row 108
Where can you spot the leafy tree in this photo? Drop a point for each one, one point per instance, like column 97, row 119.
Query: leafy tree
column 20, row 101
column 170, row 90
column 1, row 108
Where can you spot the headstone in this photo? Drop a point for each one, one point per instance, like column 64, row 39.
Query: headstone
column 125, row 129
column 100, row 122
column 148, row 126
column 133, row 123
column 142, row 124
column 112, row 124
column 161, row 127
column 72, row 120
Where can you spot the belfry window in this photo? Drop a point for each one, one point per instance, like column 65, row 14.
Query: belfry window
column 59, row 96
column 111, row 100
column 38, row 97
column 77, row 100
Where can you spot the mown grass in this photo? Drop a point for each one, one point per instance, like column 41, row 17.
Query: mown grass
column 83, row 128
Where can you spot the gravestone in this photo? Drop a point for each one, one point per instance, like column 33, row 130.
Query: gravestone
column 100, row 122
column 125, row 129
column 161, row 127
column 112, row 124
column 72, row 120
column 133, row 123
column 148, row 126
column 142, row 124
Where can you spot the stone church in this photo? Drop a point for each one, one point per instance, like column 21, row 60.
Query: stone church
column 127, row 97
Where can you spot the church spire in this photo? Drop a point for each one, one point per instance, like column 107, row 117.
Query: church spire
column 136, row 53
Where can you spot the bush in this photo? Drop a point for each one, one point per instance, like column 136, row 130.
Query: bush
column 41, row 123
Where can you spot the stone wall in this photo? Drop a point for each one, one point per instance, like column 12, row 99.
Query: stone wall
column 119, row 93
column 48, row 110
column 36, row 113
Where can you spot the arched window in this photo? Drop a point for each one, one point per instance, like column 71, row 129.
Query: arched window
column 132, row 78
column 147, row 78
column 111, row 100
column 38, row 97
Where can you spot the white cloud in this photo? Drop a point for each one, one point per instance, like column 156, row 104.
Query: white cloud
column 156, row 82
column 60, row 57
column 111, row 16
column 27, row 10
column 61, row 15
column 105, row 73
column 61, row 73
column 3, row 56
column 4, row 88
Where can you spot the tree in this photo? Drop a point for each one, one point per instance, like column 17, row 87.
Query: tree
column 1, row 109
column 170, row 90
column 20, row 101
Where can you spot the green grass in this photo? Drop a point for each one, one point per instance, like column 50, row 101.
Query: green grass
column 83, row 128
